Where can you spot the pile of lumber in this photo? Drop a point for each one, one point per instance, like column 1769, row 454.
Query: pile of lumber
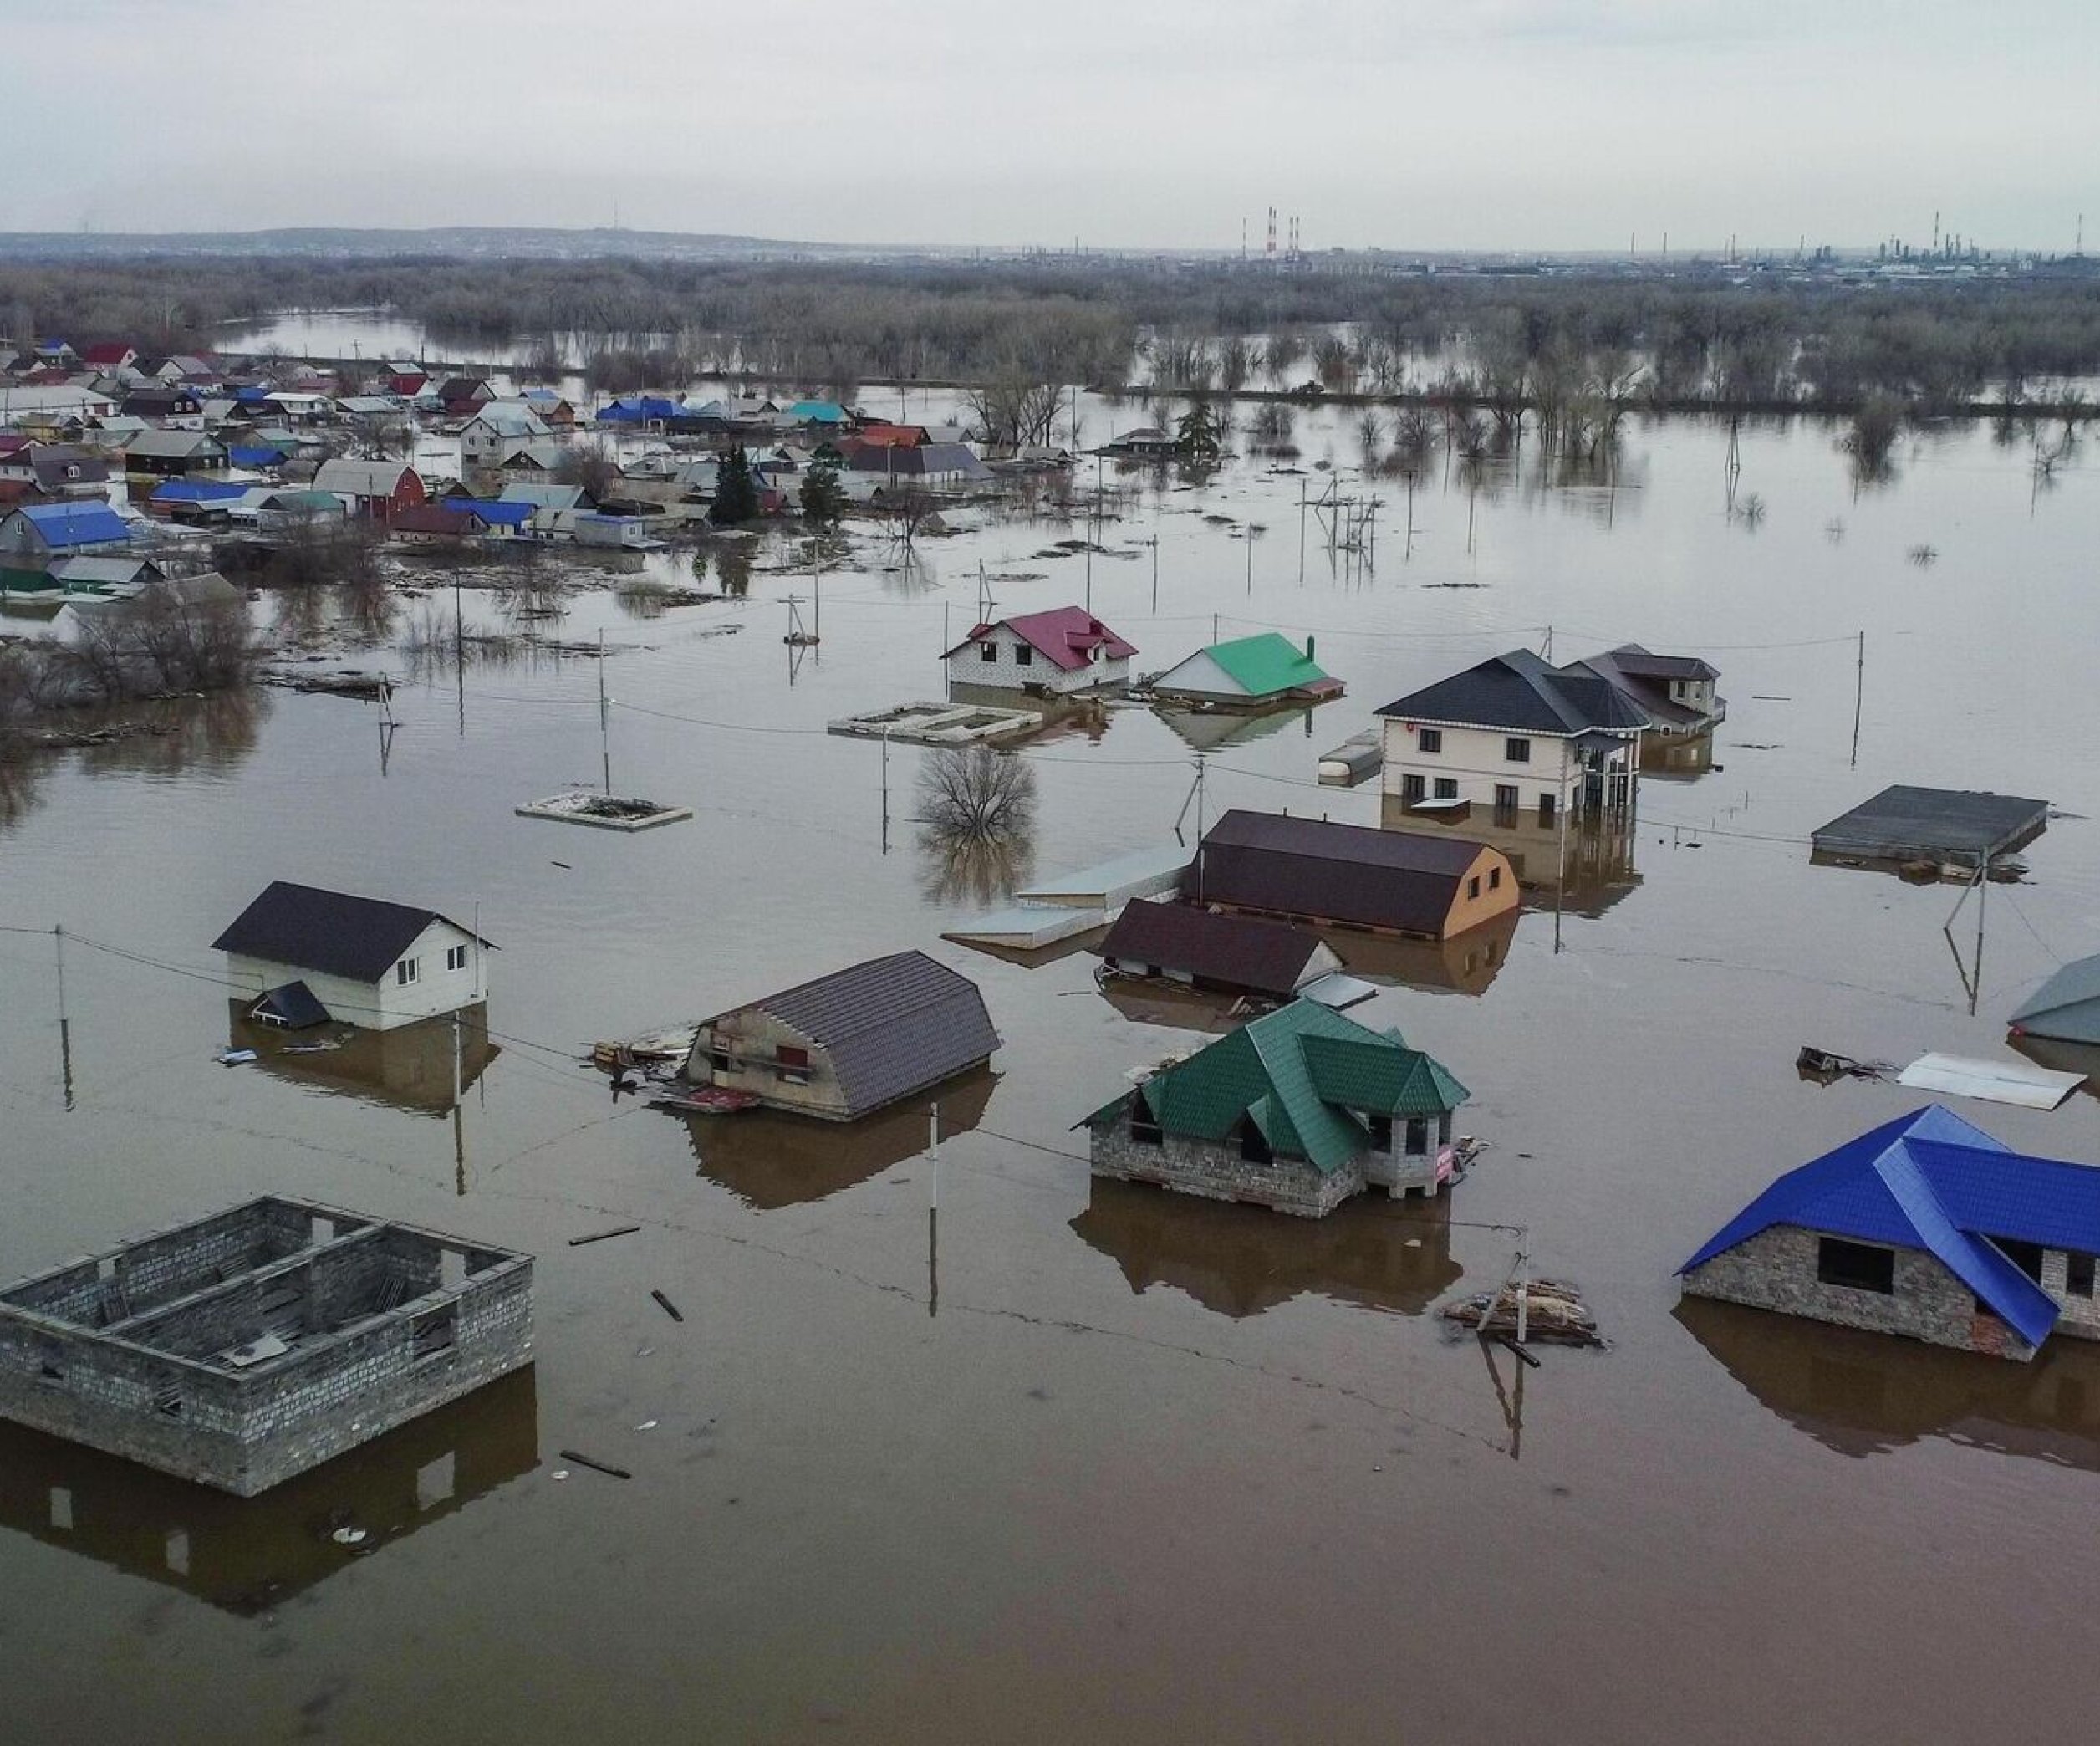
column 1552, row 1311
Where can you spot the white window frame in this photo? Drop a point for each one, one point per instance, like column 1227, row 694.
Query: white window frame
column 406, row 973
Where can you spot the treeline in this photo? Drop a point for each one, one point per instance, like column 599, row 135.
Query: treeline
column 1692, row 336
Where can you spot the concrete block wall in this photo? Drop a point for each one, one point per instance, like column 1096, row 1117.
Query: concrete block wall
column 1219, row 1172
column 1776, row 1269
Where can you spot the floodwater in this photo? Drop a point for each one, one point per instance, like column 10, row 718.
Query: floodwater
column 1096, row 1463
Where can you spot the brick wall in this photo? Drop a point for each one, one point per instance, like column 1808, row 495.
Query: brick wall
column 1775, row 1269
column 1219, row 1172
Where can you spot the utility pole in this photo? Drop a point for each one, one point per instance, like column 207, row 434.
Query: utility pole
column 604, row 717
column 885, row 790
column 1858, row 698
column 933, row 1213
column 459, row 1115
column 459, row 652
column 65, row 1025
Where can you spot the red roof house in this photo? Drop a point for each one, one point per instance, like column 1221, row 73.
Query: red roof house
column 1064, row 649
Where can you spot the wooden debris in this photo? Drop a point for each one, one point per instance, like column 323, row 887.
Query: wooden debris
column 596, row 1467
column 600, row 1236
column 1553, row 1312
column 669, row 1307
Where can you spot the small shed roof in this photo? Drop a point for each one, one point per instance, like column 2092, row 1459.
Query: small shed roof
column 333, row 932
column 2066, row 1007
column 1401, row 880
column 1903, row 822
column 1239, row 951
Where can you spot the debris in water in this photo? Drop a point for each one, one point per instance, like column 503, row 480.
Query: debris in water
column 1552, row 1311
column 596, row 1467
column 600, row 1236
column 669, row 1308
column 234, row 1057
column 560, row 1474
column 1826, row 1069
column 349, row 1536
column 608, row 812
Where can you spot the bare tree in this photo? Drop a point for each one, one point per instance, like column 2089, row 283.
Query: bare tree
column 590, row 464
column 974, row 794
column 905, row 513
column 1010, row 410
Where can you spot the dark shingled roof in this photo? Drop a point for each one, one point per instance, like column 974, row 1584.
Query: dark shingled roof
column 1394, row 879
column 1903, row 822
column 892, row 1025
column 329, row 932
column 1239, row 952
column 1524, row 694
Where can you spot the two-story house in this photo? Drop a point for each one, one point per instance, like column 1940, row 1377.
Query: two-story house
column 1060, row 651
column 1516, row 734
column 1675, row 692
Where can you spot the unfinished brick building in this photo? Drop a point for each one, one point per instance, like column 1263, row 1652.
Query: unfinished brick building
column 250, row 1347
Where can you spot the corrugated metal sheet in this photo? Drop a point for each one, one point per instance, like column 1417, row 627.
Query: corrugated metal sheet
column 2006, row 1082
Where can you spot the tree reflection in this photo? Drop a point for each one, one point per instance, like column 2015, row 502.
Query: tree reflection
column 976, row 824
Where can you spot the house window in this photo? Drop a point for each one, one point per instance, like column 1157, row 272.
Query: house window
column 792, row 1064
column 2078, row 1276
column 1546, row 809
column 1253, row 1148
column 1381, row 1128
column 1505, row 802
column 434, row 1335
column 1517, row 751
column 405, row 972
column 1411, row 788
column 1023, row 656
column 1417, row 1136
column 1858, row 1266
column 1144, row 1128
column 1473, row 886
column 1495, row 879
column 1429, row 740
column 454, row 957
column 718, row 1061
column 1447, row 788
column 2024, row 1256
column 987, row 651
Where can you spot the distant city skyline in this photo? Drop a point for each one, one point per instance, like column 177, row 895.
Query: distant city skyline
column 1489, row 125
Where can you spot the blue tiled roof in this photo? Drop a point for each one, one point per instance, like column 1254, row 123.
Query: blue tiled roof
column 71, row 524
column 241, row 457
column 1929, row 1181
column 495, row 514
column 198, row 491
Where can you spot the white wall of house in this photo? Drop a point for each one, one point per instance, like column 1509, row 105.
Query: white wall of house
column 1201, row 677
column 1009, row 670
column 1475, row 764
column 434, row 988
column 743, row 1051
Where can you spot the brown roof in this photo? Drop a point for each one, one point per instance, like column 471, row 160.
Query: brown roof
column 1395, row 879
column 1238, row 952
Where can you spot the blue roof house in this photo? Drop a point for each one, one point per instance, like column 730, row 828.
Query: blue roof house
column 1925, row 1226
column 40, row 530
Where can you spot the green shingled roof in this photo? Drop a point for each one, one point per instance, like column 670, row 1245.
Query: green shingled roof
column 1305, row 1075
column 1267, row 662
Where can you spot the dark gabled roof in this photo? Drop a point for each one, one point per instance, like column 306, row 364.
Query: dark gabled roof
column 329, row 932
column 891, row 1026
column 1239, row 951
column 1396, row 879
column 1643, row 664
column 1524, row 694
column 1929, row 1181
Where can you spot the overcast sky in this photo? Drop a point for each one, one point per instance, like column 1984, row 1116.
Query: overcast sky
column 1468, row 124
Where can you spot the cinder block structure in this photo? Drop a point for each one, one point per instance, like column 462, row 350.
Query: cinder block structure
column 245, row 1348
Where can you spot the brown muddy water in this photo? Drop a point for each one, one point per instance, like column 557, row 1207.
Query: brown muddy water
column 1104, row 1465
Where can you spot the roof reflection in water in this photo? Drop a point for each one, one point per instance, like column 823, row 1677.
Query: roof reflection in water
column 1240, row 1261
column 1866, row 1394
column 247, row 1554
column 2062, row 1058
column 769, row 1160
column 408, row 1068
column 1219, row 730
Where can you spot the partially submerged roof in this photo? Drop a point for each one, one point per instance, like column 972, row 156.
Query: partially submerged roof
column 1240, row 952
column 1067, row 637
column 2066, row 1007
column 329, row 931
column 1525, row 694
column 1902, row 823
column 1929, row 1181
column 1398, row 879
column 891, row 1025
column 292, row 1005
column 1111, row 884
column 1304, row 1076
column 1264, row 665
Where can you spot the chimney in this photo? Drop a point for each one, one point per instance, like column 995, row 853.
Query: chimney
column 1308, row 648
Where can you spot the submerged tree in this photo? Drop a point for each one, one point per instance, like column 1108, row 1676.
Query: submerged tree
column 735, row 492
column 974, row 794
column 1195, row 434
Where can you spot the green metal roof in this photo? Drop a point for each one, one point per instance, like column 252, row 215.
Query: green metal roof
column 1267, row 662
column 1305, row 1075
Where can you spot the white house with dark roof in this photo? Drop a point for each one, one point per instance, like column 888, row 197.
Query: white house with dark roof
column 367, row 962
column 851, row 1043
column 1675, row 692
column 1513, row 733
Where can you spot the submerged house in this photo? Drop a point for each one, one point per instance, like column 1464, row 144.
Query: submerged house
column 1061, row 651
column 1350, row 875
column 1249, row 672
column 2066, row 1009
column 301, row 954
column 1200, row 948
column 1925, row 1226
column 1512, row 733
column 846, row 1045
column 239, row 1350
column 374, row 490
column 1296, row 1111
column 1675, row 692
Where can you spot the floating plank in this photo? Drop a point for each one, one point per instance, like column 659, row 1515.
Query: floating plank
column 2006, row 1082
